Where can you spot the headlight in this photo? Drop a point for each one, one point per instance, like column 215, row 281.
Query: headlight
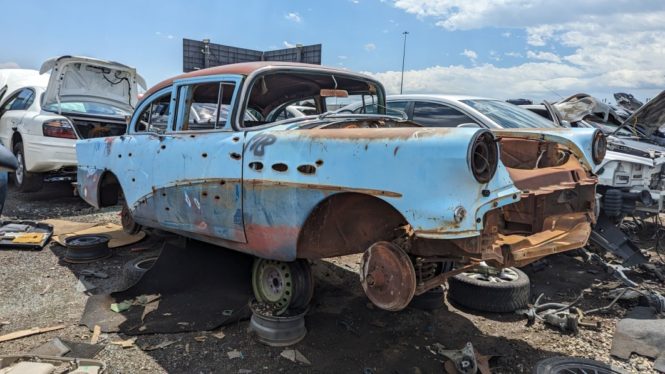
column 599, row 147
column 483, row 156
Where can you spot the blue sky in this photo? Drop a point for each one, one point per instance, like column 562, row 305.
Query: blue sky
column 519, row 48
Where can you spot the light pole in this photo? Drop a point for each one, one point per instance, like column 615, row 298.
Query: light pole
column 401, row 83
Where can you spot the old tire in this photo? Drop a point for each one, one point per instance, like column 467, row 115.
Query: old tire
column 23, row 179
column 128, row 224
column 490, row 296
column 282, row 285
column 430, row 300
column 565, row 365
column 134, row 270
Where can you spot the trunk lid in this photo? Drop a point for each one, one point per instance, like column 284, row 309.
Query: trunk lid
column 83, row 79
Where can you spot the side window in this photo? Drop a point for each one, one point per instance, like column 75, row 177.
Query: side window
column 438, row 115
column 397, row 108
column 10, row 103
column 155, row 116
column 206, row 106
column 23, row 100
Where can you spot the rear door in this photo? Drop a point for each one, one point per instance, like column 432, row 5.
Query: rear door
column 12, row 113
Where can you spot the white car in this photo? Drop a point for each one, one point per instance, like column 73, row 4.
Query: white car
column 40, row 122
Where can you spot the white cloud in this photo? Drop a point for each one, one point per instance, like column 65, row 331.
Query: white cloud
column 288, row 45
column 9, row 65
column 545, row 56
column 599, row 45
column 370, row 47
column 471, row 55
column 169, row 36
column 293, row 17
column 342, row 57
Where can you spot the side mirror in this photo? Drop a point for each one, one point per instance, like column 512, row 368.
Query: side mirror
column 565, row 123
column 469, row 125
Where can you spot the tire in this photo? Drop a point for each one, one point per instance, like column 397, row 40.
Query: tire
column 485, row 296
column 23, row 180
column 128, row 224
column 430, row 300
column 565, row 365
column 134, row 270
column 282, row 285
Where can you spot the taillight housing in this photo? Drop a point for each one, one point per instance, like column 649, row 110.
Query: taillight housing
column 58, row 128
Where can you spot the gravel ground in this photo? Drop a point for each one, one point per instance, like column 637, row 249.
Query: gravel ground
column 345, row 333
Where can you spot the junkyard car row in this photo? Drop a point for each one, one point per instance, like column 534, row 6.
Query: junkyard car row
column 292, row 163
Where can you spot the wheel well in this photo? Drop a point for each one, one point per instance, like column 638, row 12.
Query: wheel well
column 109, row 190
column 347, row 223
column 16, row 138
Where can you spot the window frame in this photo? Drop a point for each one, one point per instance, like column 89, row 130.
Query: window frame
column 175, row 124
column 146, row 102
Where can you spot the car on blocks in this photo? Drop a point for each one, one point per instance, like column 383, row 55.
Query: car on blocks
column 421, row 204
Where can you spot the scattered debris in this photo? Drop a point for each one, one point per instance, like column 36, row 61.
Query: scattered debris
column 641, row 333
column 83, row 285
column 295, row 356
column 348, row 325
column 161, row 345
column 48, row 287
column 24, row 234
column 200, row 338
column 125, row 343
column 149, row 308
column 28, row 332
column 94, row 273
column 50, row 364
column 95, row 334
column 219, row 335
column 86, row 248
column 235, row 354
column 54, row 347
column 121, row 306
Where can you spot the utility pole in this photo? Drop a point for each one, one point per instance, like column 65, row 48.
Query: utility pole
column 401, row 83
column 206, row 53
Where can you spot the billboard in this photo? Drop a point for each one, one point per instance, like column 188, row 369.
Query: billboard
column 201, row 54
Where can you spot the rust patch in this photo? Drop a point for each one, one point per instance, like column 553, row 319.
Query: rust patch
column 387, row 276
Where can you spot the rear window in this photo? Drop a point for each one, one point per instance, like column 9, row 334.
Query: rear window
column 86, row 107
column 509, row 116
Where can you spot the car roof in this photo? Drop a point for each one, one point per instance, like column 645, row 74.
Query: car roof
column 243, row 68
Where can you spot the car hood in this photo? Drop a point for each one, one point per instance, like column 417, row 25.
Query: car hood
column 648, row 118
column 75, row 79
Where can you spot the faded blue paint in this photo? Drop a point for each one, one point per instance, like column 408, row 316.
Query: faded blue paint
column 200, row 184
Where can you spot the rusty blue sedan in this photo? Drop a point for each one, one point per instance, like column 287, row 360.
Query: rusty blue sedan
column 214, row 155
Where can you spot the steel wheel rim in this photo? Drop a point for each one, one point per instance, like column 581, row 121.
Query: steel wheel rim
column 272, row 283
column 19, row 169
column 504, row 276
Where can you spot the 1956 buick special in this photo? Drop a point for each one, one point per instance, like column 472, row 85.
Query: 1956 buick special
column 207, row 157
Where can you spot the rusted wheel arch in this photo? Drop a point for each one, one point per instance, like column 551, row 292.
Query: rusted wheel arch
column 347, row 223
column 108, row 189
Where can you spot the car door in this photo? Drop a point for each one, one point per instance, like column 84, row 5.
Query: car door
column 197, row 172
column 12, row 113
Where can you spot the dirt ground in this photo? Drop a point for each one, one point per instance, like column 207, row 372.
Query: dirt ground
column 345, row 333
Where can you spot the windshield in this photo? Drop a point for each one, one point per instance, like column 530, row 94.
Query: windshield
column 86, row 107
column 509, row 116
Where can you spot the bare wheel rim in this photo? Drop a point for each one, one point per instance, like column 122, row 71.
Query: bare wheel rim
column 272, row 283
column 19, row 169
column 503, row 276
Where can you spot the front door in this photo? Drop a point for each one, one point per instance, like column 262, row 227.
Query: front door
column 197, row 170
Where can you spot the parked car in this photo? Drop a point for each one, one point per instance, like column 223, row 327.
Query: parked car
column 84, row 98
column 418, row 202
column 11, row 79
column 631, row 177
